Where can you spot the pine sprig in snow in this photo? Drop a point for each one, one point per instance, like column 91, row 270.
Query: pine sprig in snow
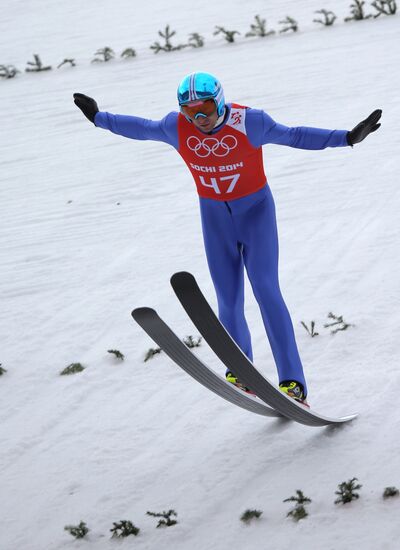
column 70, row 62
column 338, row 322
column 8, row 71
column 249, row 515
column 166, row 520
column 128, row 53
column 117, row 354
column 228, row 35
column 328, row 20
column 311, row 331
column 167, row 46
column 390, row 492
column 73, row 368
column 124, row 528
column 191, row 342
column 384, row 7
column 347, row 491
column 259, row 28
column 78, row 531
column 299, row 511
column 289, row 24
column 151, row 353
column 196, row 40
column 357, row 12
column 37, row 66
column 103, row 55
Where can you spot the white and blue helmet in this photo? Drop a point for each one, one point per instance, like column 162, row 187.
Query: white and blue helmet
column 198, row 86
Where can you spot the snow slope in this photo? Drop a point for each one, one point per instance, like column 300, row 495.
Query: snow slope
column 93, row 225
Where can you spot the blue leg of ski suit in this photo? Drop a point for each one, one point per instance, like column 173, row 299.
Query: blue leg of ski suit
column 243, row 233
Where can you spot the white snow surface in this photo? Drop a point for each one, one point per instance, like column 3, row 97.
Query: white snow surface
column 93, row 225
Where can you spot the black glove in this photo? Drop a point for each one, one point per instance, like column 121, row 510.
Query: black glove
column 360, row 132
column 87, row 105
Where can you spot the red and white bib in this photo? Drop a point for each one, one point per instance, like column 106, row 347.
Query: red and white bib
column 224, row 165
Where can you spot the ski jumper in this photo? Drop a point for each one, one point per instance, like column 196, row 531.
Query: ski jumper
column 237, row 212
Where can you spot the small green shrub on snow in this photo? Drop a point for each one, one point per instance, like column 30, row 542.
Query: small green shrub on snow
column 8, row 71
column 124, row 528
column 37, row 66
column 78, row 531
column 128, row 53
column 384, row 7
column 347, row 491
column 249, row 515
column 116, row 353
column 338, row 322
column 73, row 368
column 328, row 20
column 166, row 520
column 192, row 342
column 167, row 46
column 228, row 35
column 299, row 511
column 390, row 492
column 311, row 330
column 289, row 24
column 259, row 28
column 71, row 62
column 357, row 12
column 103, row 55
column 151, row 353
column 196, row 40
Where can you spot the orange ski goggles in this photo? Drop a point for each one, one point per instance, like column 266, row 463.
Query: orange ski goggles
column 195, row 109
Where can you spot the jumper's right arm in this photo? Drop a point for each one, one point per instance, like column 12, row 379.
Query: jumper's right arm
column 130, row 126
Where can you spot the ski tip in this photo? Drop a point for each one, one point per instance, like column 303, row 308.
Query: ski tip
column 141, row 312
column 181, row 277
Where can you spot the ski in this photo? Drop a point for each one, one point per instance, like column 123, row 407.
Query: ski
column 182, row 356
column 209, row 326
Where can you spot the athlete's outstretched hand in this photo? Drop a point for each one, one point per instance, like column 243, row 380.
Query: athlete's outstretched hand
column 360, row 132
column 87, row 105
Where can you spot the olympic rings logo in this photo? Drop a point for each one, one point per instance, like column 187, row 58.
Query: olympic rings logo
column 212, row 146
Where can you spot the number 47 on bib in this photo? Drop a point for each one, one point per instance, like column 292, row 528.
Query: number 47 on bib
column 215, row 183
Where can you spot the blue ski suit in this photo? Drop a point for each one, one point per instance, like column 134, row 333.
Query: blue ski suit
column 242, row 232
